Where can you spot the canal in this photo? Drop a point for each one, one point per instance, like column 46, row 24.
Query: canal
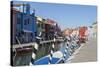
column 43, row 50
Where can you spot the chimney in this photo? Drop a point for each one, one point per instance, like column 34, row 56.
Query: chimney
column 27, row 9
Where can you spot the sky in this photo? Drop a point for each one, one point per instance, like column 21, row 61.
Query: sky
column 66, row 15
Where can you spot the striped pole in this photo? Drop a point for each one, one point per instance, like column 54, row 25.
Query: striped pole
column 35, row 47
column 68, row 48
column 65, row 53
column 51, row 52
column 64, row 57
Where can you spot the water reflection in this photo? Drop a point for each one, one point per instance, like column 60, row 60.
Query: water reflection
column 44, row 49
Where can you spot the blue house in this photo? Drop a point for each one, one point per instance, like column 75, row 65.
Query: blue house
column 26, row 25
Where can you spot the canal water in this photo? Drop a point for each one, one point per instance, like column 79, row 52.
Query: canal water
column 22, row 60
column 43, row 50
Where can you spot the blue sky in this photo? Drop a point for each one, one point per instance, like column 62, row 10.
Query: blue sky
column 66, row 15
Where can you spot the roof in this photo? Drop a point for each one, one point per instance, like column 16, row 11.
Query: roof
column 51, row 22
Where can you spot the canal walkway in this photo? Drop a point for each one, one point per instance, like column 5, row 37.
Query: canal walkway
column 86, row 53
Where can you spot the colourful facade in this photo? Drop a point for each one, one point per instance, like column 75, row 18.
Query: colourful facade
column 24, row 26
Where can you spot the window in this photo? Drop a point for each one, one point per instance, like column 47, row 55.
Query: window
column 18, row 20
column 26, row 21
